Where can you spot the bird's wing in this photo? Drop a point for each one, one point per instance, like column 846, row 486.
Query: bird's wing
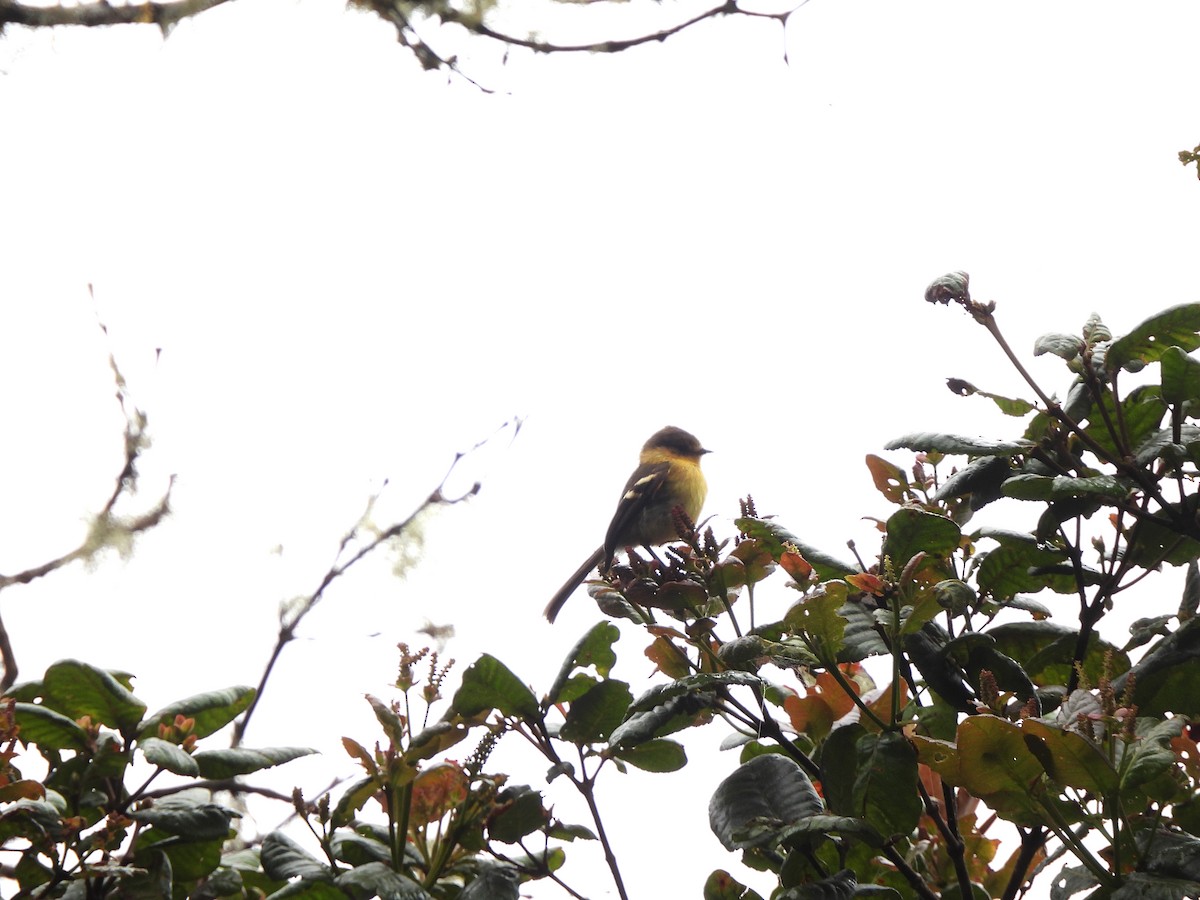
column 643, row 486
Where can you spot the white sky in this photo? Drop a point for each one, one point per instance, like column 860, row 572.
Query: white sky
column 354, row 269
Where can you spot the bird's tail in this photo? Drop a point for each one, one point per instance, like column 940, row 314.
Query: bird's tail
column 564, row 592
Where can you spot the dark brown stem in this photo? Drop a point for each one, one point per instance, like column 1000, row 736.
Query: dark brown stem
column 1031, row 842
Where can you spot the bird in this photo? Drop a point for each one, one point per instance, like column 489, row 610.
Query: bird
column 667, row 476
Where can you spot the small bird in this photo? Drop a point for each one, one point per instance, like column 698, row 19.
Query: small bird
column 668, row 475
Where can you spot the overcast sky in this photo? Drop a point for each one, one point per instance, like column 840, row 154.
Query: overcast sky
column 354, row 269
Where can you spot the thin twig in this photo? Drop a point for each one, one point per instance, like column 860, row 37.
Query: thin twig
column 105, row 523
column 290, row 621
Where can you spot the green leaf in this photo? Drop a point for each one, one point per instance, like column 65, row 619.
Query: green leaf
column 593, row 649
column 375, row 879
column 1158, row 540
column 846, row 825
column 818, row 618
column 1064, row 346
column 359, row 849
column 723, row 886
column 242, row 761
column 957, row 445
column 1069, row 758
column 926, row 649
column 861, row 637
column 1177, row 326
column 774, row 536
column 593, row 716
column 1180, row 377
column 1048, row 651
column 521, row 813
column 190, row 859
column 1167, row 678
column 749, row 808
column 48, row 729
column 186, row 818
column 981, row 478
column 488, row 684
column 693, row 684
column 212, row 710
column 1043, row 487
column 389, row 720
column 976, row 651
column 354, row 798
column 1141, row 412
column 671, row 715
column 77, row 689
column 872, row 777
column 168, row 756
column 655, row 756
column 911, row 531
column 992, row 762
column 1151, row 755
column 1005, row 570
column 283, row 859
column 497, row 881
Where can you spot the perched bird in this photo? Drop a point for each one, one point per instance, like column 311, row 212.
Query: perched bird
column 668, row 475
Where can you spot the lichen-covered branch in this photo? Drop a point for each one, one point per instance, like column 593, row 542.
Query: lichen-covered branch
column 91, row 15
column 106, row 528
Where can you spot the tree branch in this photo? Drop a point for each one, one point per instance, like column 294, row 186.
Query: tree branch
column 105, row 529
column 91, row 15
column 289, row 621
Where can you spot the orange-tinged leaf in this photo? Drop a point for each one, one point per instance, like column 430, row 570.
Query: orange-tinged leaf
column 436, row 791
column 865, row 581
column 357, row 751
column 795, row 565
column 889, row 479
column 668, row 658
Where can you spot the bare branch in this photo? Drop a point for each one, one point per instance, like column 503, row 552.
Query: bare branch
column 106, row 529
column 289, row 620
column 729, row 8
column 90, row 15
